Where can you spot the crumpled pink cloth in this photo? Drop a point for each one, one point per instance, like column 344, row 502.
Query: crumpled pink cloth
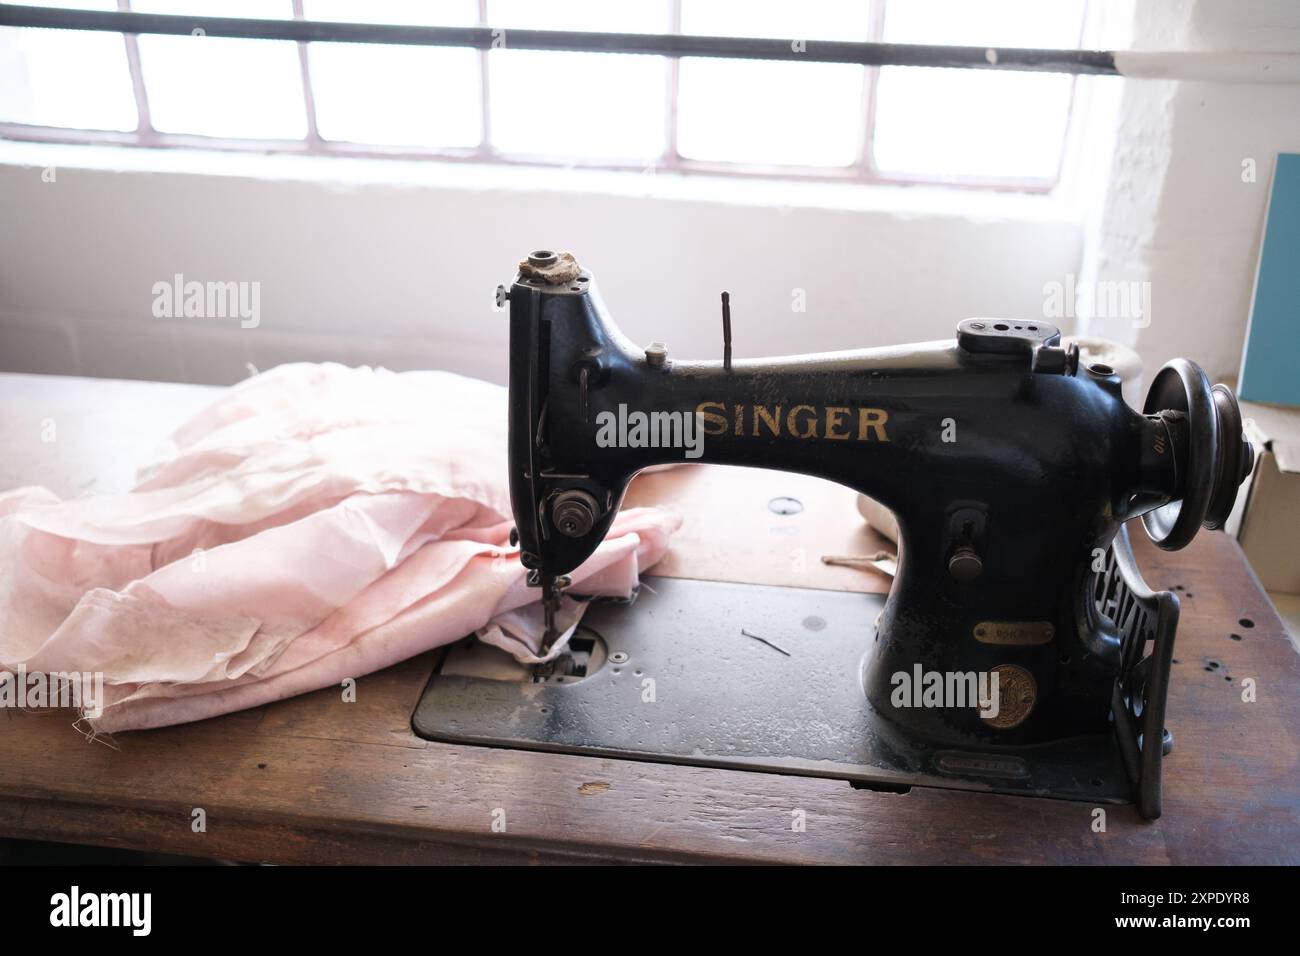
column 315, row 523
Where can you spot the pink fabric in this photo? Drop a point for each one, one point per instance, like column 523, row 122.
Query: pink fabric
column 315, row 523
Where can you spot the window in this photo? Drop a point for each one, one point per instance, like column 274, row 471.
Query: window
column 830, row 120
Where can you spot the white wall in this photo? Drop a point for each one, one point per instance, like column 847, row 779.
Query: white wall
column 395, row 264
column 1177, row 213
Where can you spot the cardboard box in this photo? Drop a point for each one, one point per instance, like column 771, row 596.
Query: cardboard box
column 1266, row 518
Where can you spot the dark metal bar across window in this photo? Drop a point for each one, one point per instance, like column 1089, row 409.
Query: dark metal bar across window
column 487, row 38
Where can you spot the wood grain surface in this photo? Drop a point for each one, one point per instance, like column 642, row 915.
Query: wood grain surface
column 314, row 779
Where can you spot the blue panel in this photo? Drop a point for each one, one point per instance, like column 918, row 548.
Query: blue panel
column 1270, row 371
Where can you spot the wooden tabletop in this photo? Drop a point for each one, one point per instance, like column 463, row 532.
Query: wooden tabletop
column 314, row 779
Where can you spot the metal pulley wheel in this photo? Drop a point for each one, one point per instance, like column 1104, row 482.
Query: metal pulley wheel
column 1216, row 459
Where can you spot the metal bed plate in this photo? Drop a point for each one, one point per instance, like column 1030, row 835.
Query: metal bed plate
column 694, row 690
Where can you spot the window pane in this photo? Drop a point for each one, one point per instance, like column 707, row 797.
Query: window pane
column 749, row 111
column 589, row 105
column 600, row 16
column 66, row 77
column 800, row 114
column 216, row 86
column 778, row 19
column 407, row 96
column 954, row 123
column 1024, row 23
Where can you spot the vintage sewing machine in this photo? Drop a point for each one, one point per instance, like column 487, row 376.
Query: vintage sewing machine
column 1019, row 649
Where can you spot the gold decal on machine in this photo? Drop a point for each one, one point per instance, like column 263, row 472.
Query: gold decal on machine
column 802, row 421
column 1017, row 693
column 834, row 422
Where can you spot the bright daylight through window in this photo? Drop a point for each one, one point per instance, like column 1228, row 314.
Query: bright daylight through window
column 894, row 124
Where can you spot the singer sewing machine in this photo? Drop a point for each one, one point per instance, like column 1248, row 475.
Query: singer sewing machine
column 1019, row 650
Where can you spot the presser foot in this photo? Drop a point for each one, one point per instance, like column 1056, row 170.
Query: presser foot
column 552, row 586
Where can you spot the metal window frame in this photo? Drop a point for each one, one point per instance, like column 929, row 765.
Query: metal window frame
column 862, row 171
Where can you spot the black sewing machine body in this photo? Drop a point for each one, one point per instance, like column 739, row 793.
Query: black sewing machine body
column 1010, row 470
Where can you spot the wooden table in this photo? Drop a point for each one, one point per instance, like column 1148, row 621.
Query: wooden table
column 315, row 780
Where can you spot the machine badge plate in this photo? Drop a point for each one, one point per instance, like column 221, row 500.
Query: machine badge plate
column 1019, row 633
